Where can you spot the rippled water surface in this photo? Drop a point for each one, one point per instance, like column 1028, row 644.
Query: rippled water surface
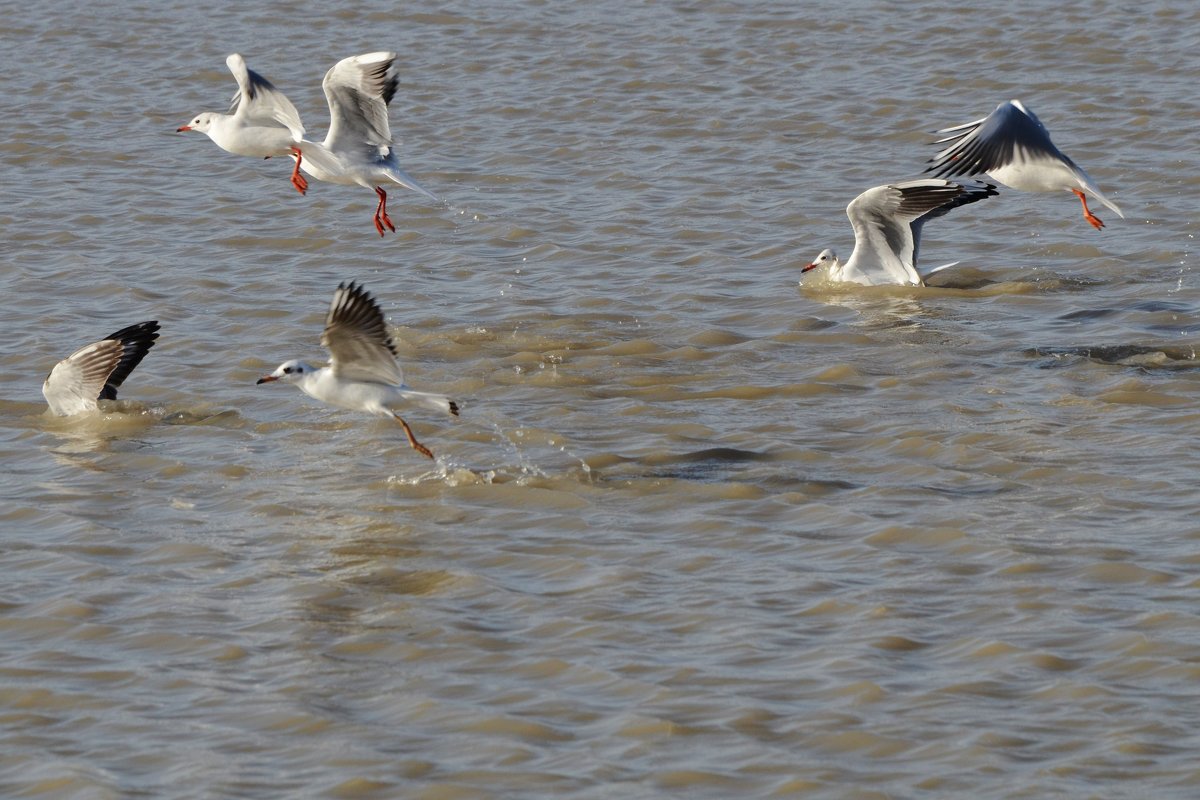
column 700, row 531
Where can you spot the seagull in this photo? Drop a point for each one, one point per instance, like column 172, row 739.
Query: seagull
column 1013, row 148
column 887, row 222
column 95, row 372
column 263, row 121
column 358, row 150
column 362, row 374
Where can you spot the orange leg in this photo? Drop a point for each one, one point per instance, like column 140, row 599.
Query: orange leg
column 412, row 440
column 297, row 179
column 381, row 217
column 1088, row 215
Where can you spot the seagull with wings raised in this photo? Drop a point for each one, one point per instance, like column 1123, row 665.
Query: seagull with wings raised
column 1013, row 147
column 362, row 374
column 95, row 372
column 887, row 222
column 262, row 122
column 358, row 149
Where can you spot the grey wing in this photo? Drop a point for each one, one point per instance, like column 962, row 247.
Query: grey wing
column 75, row 383
column 357, row 338
column 971, row 193
column 882, row 219
column 258, row 101
column 1010, row 134
column 136, row 341
column 358, row 90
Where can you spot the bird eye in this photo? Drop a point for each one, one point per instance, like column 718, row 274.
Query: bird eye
column 287, row 370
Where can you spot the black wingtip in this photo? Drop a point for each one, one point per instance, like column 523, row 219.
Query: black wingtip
column 136, row 341
column 454, row 408
column 356, row 292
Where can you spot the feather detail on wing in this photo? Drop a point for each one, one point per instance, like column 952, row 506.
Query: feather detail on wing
column 970, row 193
column 357, row 338
column 74, row 385
column 1010, row 133
column 358, row 90
column 136, row 341
column 95, row 371
column 259, row 102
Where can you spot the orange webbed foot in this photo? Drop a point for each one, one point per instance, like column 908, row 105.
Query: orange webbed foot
column 297, row 179
column 1092, row 219
column 412, row 440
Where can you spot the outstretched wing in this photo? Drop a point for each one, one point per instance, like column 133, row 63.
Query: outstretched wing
column 971, row 193
column 1010, row 135
column 75, row 383
column 882, row 219
column 136, row 341
column 357, row 338
column 258, row 101
column 359, row 89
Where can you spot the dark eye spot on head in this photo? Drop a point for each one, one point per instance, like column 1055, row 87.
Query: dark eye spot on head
column 287, row 370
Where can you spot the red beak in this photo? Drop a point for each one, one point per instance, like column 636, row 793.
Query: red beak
column 265, row 379
column 183, row 128
column 813, row 265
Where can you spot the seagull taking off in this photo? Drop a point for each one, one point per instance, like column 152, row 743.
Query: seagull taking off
column 262, row 122
column 358, row 150
column 362, row 374
column 95, row 372
column 1013, row 147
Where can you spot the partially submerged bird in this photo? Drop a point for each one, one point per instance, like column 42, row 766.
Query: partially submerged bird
column 358, row 150
column 887, row 222
column 362, row 374
column 1012, row 147
column 95, row 372
column 263, row 122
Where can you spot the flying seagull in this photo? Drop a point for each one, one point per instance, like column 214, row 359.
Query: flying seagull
column 362, row 374
column 262, row 122
column 358, row 150
column 1012, row 147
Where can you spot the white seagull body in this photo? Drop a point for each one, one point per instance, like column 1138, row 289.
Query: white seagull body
column 95, row 372
column 1012, row 147
column 358, row 150
column 887, row 222
column 362, row 374
column 263, row 122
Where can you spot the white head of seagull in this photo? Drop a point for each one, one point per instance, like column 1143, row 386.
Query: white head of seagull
column 362, row 374
column 887, row 222
column 1012, row 147
column 826, row 258
column 95, row 372
column 289, row 372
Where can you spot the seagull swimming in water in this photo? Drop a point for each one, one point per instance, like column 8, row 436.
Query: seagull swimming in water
column 887, row 222
column 95, row 372
column 262, row 122
column 1013, row 147
column 362, row 374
